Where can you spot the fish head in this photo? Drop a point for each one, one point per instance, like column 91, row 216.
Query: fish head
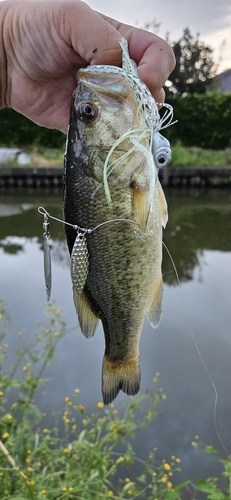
column 108, row 132
column 104, row 108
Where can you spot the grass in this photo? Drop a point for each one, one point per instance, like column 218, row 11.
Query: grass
column 86, row 456
column 181, row 156
column 198, row 157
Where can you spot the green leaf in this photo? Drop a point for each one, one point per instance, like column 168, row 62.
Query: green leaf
column 210, row 449
column 17, row 498
column 206, row 485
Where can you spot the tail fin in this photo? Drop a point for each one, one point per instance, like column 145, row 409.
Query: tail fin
column 120, row 376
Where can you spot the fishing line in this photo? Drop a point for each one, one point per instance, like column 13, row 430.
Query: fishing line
column 79, row 254
column 46, row 214
column 200, row 357
column 198, row 351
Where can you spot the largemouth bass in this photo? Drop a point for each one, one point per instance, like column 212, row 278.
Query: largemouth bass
column 113, row 196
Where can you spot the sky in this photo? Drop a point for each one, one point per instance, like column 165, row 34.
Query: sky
column 210, row 18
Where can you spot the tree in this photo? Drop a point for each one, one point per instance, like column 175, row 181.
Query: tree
column 194, row 65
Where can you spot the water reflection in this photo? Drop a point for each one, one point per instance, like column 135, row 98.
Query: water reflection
column 197, row 236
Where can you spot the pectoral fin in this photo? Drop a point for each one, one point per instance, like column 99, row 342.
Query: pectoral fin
column 88, row 321
column 163, row 206
column 140, row 205
column 155, row 309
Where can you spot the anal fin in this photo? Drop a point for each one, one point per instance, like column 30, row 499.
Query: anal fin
column 155, row 308
column 88, row 321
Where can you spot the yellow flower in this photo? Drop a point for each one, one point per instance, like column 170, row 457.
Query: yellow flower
column 66, row 420
column 64, row 488
column 9, row 417
column 5, row 435
column 178, row 460
column 100, row 405
column 167, row 466
column 110, row 493
column 66, row 399
column 45, row 431
column 28, row 451
column 84, row 421
column 32, row 483
column 70, row 488
column 27, row 460
column 173, row 458
column 69, row 403
column 169, row 484
column 74, row 427
column 56, row 334
column 115, row 412
column 127, row 480
column 24, row 476
column 164, row 478
column 43, row 492
column 81, row 408
column 130, row 492
column 76, row 391
column 29, row 469
column 65, row 450
column 1, row 394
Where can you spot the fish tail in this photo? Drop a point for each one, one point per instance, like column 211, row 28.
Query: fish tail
column 120, row 376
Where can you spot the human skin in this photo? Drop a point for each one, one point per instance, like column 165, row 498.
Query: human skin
column 43, row 44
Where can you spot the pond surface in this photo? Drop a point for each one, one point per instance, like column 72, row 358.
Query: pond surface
column 191, row 349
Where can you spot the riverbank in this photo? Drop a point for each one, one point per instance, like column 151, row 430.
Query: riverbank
column 169, row 176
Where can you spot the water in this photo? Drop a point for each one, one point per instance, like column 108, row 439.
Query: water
column 198, row 237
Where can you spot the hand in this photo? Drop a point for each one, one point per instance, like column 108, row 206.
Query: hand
column 45, row 43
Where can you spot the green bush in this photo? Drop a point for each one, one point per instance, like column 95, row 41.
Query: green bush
column 204, row 120
column 18, row 131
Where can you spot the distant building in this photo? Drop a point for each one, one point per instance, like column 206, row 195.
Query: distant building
column 221, row 82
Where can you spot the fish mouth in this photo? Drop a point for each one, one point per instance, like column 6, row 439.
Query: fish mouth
column 113, row 86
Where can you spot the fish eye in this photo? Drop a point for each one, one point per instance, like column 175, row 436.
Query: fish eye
column 86, row 111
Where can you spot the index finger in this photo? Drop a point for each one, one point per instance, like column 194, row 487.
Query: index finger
column 153, row 55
